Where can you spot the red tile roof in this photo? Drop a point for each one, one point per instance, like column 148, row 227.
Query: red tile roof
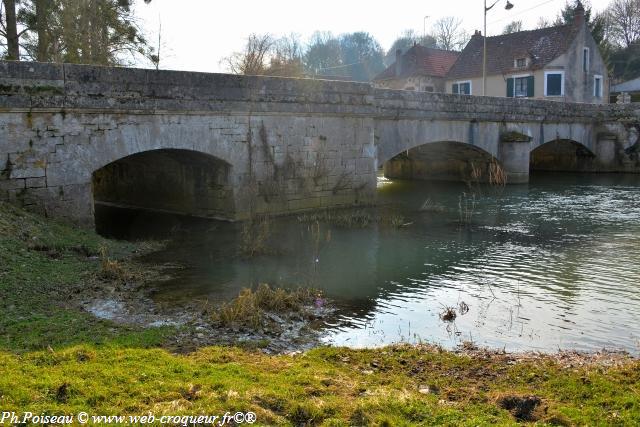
column 421, row 61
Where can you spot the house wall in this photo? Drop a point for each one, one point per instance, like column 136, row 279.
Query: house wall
column 578, row 85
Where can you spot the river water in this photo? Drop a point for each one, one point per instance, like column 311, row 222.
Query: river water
column 551, row 265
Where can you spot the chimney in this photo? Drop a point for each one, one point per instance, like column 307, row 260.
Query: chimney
column 578, row 16
column 398, row 62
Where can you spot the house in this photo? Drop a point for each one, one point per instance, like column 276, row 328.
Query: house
column 630, row 91
column 560, row 63
column 420, row 68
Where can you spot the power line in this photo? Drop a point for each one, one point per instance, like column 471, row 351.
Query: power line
column 520, row 13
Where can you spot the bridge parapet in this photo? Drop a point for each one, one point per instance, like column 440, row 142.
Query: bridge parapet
column 430, row 106
column 66, row 86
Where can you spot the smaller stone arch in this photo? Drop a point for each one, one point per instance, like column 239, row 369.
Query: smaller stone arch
column 562, row 155
column 443, row 161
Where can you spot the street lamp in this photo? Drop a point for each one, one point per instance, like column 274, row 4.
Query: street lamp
column 508, row 6
column 424, row 28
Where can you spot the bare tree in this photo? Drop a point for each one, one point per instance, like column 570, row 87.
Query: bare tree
column 253, row 59
column 513, row 27
column 624, row 20
column 543, row 23
column 286, row 58
column 449, row 33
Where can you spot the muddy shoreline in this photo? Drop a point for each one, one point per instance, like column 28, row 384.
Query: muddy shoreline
column 129, row 301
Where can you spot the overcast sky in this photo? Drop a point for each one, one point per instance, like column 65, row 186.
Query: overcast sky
column 197, row 34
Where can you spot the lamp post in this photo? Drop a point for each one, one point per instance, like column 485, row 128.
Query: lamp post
column 424, row 27
column 508, row 6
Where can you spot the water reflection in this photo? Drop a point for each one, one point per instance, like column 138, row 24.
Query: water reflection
column 550, row 265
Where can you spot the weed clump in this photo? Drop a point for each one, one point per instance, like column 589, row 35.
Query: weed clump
column 250, row 308
column 254, row 238
column 111, row 269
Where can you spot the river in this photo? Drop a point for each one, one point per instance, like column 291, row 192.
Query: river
column 551, row 265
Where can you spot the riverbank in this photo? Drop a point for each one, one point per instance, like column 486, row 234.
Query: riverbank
column 57, row 357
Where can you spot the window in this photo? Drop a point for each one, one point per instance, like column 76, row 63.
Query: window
column 428, row 88
column 461, row 88
column 597, row 86
column 554, row 83
column 585, row 59
column 520, row 87
column 521, row 63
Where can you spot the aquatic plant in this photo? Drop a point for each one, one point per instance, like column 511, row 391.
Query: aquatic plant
column 254, row 237
column 250, row 307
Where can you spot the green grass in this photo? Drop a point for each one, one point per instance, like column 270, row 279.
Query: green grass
column 56, row 359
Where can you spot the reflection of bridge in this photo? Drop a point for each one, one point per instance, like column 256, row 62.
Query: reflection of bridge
column 226, row 146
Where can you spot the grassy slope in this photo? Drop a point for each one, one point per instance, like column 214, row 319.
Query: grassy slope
column 106, row 369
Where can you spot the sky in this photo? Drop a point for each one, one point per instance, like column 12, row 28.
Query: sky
column 198, row 34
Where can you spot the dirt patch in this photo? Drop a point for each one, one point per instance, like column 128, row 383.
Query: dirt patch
column 523, row 408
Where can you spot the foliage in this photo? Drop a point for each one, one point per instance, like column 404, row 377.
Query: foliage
column 406, row 40
column 354, row 56
column 512, row 27
column 102, row 32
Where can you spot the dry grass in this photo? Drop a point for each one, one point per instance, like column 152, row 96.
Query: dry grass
column 111, row 269
column 497, row 175
column 249, row 307
column 254, row 238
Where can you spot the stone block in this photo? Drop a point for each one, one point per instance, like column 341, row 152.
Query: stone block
column 36, row 182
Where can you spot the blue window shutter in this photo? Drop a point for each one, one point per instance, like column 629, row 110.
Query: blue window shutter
column 454, row 88
column 510, row 82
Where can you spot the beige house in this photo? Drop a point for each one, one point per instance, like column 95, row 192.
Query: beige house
column 560, row 63
column 420, row 68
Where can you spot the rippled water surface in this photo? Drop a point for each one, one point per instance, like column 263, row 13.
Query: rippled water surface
column 550, row 265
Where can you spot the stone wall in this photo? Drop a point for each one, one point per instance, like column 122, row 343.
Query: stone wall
column 288, row 144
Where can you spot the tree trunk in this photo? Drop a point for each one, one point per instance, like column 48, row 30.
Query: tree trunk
column 42, row 13
column 13, row 48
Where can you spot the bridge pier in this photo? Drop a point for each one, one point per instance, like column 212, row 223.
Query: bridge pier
column 514, row 156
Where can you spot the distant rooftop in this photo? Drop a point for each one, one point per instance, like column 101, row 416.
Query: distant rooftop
column 423, row 61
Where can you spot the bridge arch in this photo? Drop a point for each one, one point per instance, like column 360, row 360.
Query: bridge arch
column 177, row 181
column 562, row 155
column 444, row 161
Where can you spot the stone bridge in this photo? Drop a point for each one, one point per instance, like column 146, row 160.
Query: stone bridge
column 227, row 146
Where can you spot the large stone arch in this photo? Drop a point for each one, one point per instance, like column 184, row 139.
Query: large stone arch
column 71, row 168
column 167, row 180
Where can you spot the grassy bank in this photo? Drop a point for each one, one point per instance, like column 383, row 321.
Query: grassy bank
column 55, row 358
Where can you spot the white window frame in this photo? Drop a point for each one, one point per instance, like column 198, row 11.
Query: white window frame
column 515, row 62
column 586, row 59
column 463, row 82
column 595, row 78
column 546, row 73
column 519, row 76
